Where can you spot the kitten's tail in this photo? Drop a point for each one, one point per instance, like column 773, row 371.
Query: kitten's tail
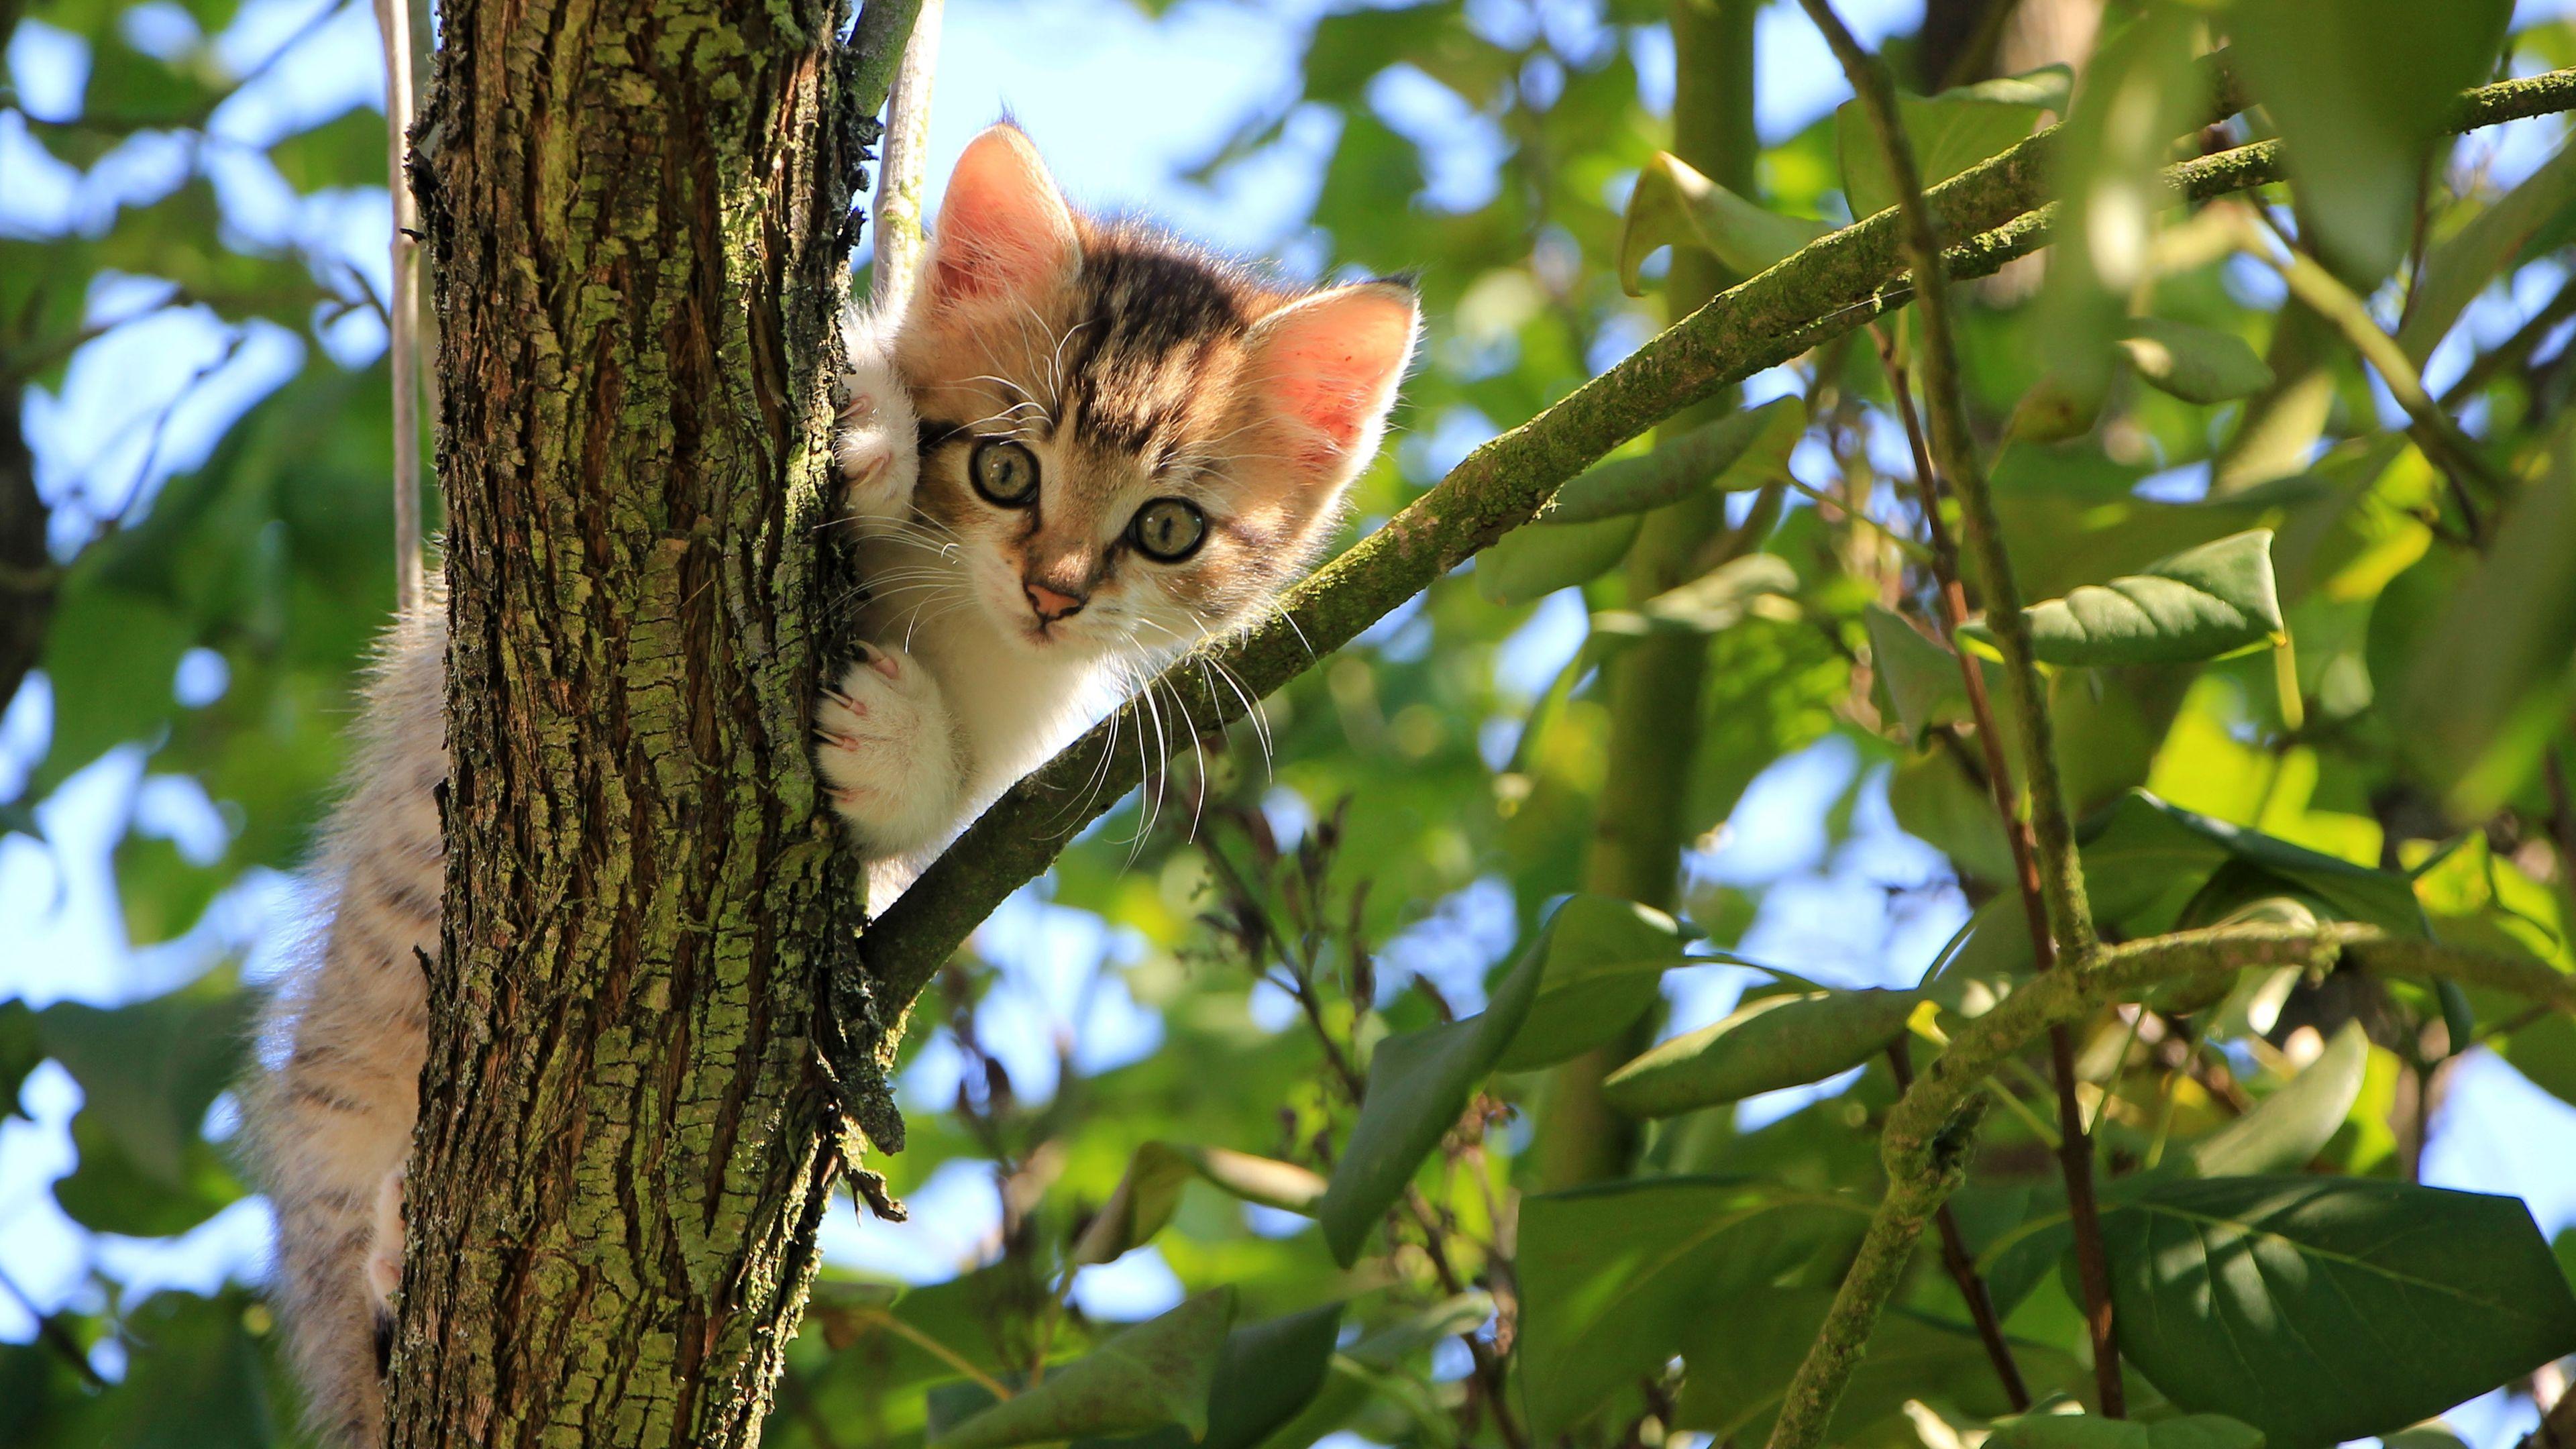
column 330, row 1117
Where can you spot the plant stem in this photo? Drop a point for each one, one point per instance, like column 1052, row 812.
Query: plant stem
column 402, row 309
column 1963, row 1266
column 902, row 163
column 2051, row 875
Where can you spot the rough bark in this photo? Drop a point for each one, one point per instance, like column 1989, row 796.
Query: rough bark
column 621, row 1160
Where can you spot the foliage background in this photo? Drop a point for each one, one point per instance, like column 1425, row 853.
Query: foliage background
column 163, row 774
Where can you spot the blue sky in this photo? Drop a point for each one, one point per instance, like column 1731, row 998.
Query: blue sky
column 1070, row 73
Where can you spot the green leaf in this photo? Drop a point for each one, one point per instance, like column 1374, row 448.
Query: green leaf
column 1602, row 963
column 1740, row 451
column 1612, row 1277
column 1537, row 559
column 113, row 656
column 22, row 1049
column 1742, row 1352
column 2321, row 1310
column 1923, row 679
column 1418, row 1085
column 1715, row 601
column 197, row 1379
column 1156, row 1373
column 2293, row 1124
column 2477, row 254
column 2359, row 90
column 148, row 1073
column 2485, row 690
column 1674, row 205
column 2086, row 1431
column 1950, row 132
column 2197, row 364
column 1779, row 1041
column 2198, row 604
column 1150, row 1193
column 1269, row 1372
column 2146, row 860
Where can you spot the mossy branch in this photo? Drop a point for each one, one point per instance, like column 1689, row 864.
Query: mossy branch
column 1839, row 282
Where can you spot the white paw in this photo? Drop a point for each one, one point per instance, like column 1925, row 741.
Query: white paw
column 385, row 1247
column 877, row 443
column 888, row 752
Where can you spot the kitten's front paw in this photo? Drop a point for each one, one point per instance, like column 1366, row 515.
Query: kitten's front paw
column 877, row 444
column 886, row 748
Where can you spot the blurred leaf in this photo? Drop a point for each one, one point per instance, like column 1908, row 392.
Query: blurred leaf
column 1740, row 451
column 1612, row 1277
column 2197, row 364
column 1150, row 1193
column 2088, row 1431
column 113, row 657
column 1537, row 559
column 195, row 1379
column 22, row 1049
column 1674, row 205
column 1269, row 1372
column 1156, row 1373
column 1602, row 963
column 1923, row 679
column 2359, row 90
column 1713, row 602
column 2472, row 258
column 2240, row 1296
column 2485, row 688
column 1418, row 1086
column 1950, row 132
column 2198, row 604
column 148, row 1074
column 1778, row 1041
column 2292, row 1125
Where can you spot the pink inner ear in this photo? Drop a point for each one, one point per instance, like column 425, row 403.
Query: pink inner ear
column 1333, row 363
column 1003, row 228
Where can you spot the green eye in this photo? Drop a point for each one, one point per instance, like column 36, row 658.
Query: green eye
column 1168, row 530
column 1004, row 472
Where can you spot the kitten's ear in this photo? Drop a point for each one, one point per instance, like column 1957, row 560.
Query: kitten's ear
column 1326, row 368
column 1004, row 230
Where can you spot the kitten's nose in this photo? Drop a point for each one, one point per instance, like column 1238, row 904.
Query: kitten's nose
column 1051, row 604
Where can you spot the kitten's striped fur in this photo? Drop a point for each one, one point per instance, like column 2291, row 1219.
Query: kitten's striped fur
column 1132, row 370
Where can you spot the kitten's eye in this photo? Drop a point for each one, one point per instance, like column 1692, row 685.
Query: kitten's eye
column 1168, row 529
column 1004, row 472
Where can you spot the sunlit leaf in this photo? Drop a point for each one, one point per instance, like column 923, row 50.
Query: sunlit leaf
column 1949, row 132
column 2198, row 604
column 2293, row 1124
column 1537, row 559
column 1742, row 450
column 1268, row 1374
column 1150, row 1193
column 1779, row 1041
column 1674, row 205
column 2197, row 364
column 1603, row 960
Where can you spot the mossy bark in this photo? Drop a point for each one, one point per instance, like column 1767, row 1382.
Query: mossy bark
column 623, row 1154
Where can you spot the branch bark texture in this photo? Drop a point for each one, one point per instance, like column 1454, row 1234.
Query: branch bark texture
column 622, row 1154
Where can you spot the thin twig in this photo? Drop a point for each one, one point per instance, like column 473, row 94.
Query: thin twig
column 2051, row 873
column 50, row 1328
column 402, row 311
column 1963, row 1266
column 903, row 160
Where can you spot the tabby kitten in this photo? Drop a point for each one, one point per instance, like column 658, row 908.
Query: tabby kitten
column 1081, row 448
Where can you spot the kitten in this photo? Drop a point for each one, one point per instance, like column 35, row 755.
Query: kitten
column 1081, row 448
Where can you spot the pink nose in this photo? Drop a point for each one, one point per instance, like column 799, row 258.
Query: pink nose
column 1052, row 604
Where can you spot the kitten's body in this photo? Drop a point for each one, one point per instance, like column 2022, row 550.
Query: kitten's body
column 1082, row 449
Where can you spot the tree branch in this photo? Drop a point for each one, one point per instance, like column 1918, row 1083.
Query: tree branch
column 1837, row 283
column 902, row 163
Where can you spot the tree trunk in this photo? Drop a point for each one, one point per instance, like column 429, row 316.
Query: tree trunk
column 622, row 1156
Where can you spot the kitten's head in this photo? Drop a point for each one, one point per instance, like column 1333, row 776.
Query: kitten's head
column 1135, row 444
